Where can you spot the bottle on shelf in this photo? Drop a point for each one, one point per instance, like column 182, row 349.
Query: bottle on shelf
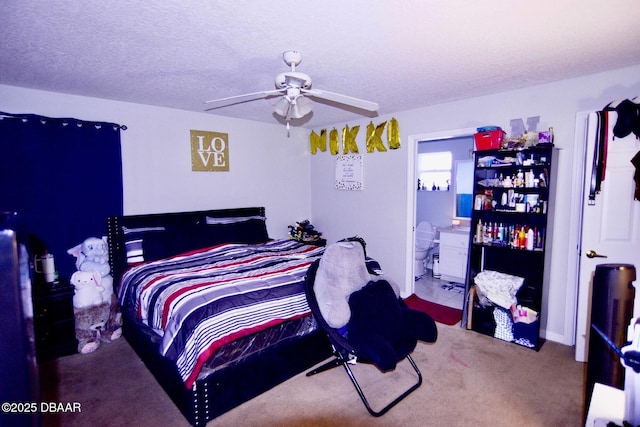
column 519, row 178
column 530, row 239
column 479, row 233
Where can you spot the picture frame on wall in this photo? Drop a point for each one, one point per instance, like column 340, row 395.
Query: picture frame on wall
column 349, row 172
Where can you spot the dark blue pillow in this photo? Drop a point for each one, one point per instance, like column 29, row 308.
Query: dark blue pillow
column 250, row 230
column 186, row 238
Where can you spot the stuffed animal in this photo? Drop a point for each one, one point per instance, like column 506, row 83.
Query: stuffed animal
column 98, row 318
column 113, row 328
column 92, row 255
column 89, row 323
column 89, row 290
column 342, row 271
column 107, row 288
column 96, row 324
column 85, row 293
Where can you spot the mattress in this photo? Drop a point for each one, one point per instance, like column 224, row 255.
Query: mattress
column 198, row 302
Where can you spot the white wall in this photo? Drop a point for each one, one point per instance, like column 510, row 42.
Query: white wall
column 266, row 168
column 379, row 212
column 269, row 169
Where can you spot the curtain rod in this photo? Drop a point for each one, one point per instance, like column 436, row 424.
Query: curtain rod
column 64, row 121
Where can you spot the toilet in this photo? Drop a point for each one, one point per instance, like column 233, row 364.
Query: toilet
column 425, row 236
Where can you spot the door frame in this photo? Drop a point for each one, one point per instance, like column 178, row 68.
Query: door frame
column 579, row 164
column 575, row 232
column 412, row 162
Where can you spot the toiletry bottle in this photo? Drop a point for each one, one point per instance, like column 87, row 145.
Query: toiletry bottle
column 530, row 239
column 528, row 179
column 522, row 238
column 539, row 240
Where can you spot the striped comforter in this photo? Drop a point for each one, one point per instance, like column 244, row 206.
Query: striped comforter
column 201, row 300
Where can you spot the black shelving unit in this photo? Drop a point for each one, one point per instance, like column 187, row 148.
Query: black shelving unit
column 510, row 228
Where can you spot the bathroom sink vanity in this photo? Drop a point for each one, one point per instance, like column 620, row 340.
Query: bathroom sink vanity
column 454, row 250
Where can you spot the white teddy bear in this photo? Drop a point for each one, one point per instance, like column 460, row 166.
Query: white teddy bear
column 92, row 256
column 89, row 289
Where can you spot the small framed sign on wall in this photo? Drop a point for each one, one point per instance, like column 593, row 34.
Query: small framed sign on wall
column 349, row 172
column 209, row 151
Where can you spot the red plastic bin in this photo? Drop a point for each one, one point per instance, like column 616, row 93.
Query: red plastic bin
column 489, row 140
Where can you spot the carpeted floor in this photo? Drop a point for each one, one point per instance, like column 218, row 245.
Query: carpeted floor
column 469, row 379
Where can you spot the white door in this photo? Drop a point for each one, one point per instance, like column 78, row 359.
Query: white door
column 611, row 226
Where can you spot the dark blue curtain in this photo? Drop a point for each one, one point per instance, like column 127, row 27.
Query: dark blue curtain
column 63, row 177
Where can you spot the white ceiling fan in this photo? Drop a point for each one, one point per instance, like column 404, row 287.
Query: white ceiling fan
column 292, row 90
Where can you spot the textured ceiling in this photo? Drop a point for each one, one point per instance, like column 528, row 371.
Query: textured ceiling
column 401, row 54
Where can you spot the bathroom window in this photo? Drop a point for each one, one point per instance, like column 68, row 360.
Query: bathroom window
column 434, row 171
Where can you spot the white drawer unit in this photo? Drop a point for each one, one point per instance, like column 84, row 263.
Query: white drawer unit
column 454, row 248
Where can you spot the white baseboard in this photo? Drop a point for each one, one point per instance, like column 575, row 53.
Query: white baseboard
column 555, row 337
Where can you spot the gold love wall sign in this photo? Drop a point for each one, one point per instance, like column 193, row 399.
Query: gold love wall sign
column 209, row 151
column 373, row 138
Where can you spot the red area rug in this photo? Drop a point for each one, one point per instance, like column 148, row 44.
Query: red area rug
column 440, row 313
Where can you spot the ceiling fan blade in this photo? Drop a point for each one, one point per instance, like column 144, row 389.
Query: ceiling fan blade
column 223, row 102
column 342, row 99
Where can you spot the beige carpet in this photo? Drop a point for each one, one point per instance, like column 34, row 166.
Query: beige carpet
column 469, row 379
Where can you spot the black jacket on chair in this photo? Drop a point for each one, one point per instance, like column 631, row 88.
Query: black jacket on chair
column 382, row 329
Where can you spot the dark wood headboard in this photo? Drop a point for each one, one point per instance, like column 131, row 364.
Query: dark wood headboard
column 173, row 220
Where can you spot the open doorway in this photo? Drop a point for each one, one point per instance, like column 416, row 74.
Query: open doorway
column 444, row 169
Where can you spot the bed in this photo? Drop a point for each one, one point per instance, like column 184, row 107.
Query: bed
column 214, row 307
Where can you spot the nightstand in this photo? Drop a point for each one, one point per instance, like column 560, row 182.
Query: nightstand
column 53, row 320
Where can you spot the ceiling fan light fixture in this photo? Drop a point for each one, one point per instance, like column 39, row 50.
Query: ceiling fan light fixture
column 295, row 114
column 293, row 107
column 281, row 107
column 301, row 107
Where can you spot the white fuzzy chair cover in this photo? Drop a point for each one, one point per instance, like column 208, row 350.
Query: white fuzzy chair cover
column 341, row 272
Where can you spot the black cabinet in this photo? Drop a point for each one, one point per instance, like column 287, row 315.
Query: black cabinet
column 510, row 229
column 54, row 322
